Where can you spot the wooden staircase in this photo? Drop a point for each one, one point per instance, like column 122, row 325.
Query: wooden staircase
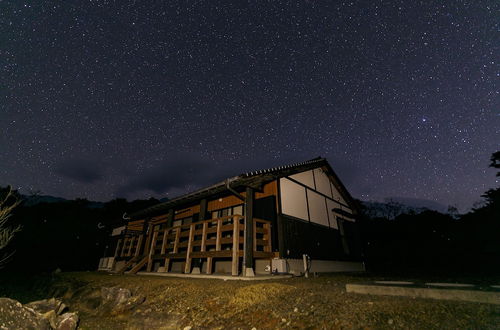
column 136, row 263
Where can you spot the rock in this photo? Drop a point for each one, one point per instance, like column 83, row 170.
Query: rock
column 117, row 300
column 187, row 328
column 47, row 305
column 13, row 315
column 51, row 317
column 391, row 321
column 67, row 321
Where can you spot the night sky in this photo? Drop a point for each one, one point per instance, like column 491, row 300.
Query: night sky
column 106, row 99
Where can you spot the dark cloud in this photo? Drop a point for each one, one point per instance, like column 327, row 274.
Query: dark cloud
column 80, row 170
column 178, row 172
column 183, row 172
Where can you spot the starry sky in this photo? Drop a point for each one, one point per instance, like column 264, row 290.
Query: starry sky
column 106, row 99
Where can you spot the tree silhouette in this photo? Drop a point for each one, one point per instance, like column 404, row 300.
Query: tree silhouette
column 495, row 161
column 7, row 232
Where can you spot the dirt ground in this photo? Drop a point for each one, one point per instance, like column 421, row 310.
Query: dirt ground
column 296, row 303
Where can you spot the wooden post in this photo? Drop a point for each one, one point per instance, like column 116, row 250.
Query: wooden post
column 129, row 252
column 164, row 241
column 219, row 234
column 170, row 218
column 122, row 253
column 117, row 247
column 204, row 237
column 139, row 243
column 204, row 246
column 209, row 265
column 149, row 233
column 202, row 216
column 249, row 230
column 267, row 227
column 167, row 264
column 151, row 250
column 187, row 268
column 203, row 209
column 236, row 245
column 176, row 242
column 254, row 235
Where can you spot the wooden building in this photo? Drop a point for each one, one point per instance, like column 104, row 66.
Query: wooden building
column 258, row 222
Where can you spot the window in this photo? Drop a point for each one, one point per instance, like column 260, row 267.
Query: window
column 235, row 210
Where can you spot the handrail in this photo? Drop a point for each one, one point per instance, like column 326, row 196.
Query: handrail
column 211, row 238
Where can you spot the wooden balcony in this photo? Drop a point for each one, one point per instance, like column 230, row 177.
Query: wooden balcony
column 209, row 240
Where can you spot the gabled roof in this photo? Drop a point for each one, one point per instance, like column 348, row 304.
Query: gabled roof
column 254, row 179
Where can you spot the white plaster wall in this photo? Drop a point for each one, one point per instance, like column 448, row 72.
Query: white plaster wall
column 317, row 208
column 322, row 182
column 293, row 199
column 304, row 178
column 336, row 195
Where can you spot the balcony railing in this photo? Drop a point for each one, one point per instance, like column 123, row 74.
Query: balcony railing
column 209, row 239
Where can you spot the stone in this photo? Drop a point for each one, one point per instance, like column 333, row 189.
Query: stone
column 51, row 317
column 67, row 321
column 13, row 315
column 47, row 305
column 117, row 300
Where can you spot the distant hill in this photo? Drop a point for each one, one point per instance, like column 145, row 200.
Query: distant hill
column 38, row 199
column 392, row 207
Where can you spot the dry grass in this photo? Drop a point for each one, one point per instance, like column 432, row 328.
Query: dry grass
column 315, row 303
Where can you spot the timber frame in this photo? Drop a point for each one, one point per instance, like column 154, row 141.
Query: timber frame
column 194, row 229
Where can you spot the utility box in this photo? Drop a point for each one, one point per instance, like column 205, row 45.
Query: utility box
column 106, row 264
column 278, row 266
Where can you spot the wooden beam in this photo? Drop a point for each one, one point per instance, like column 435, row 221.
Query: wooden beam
column 164, row 241
column 151, row 250
column 149, row 233
column 268, row 236
column 204, row 237
column 187, row 268
column 249, row 228
column 129, row 251
column 236, row 246
column 117, row 247
column 176, row 242
column 219, row 233
column 138, row 247
column 203, row 209
column 167, row 264
column 127, row 265
column 170, row 218
column 139, row 265
column 209, row 265
column 122, row 253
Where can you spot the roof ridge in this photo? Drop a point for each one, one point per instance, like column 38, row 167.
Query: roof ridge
column 273, row 169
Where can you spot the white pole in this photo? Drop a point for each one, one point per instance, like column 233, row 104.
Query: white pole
column 306, row 271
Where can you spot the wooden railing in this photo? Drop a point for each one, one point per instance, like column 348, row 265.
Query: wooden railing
column 209, row 239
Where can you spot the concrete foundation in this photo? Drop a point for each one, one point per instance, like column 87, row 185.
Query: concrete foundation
column 219, row 276
column 487, row 297
column 296, row 266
